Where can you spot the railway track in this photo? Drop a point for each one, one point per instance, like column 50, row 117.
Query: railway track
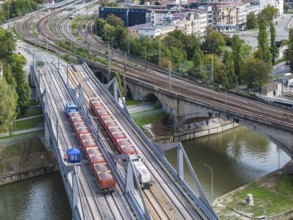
column 114, row 204
column 164, row 201
column 170, row 205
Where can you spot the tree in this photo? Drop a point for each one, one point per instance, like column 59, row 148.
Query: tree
column 263, row 51
column 2, row 16
column 219, row 69
column 274, row 49
column 267, row 14
column 8, row 74
column 197, row 58
column 7, row 44
column 228, row 61
column 7, row 106
column 290, row 49
column 236, row 56
column 256, row 72
column 214, row 43
column 22, row 89
column 114, row 20
column 251, row 22
column 100, row 26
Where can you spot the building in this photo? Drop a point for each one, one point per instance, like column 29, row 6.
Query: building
column 150, row 31
column 289, row 3
column 276, row 3
column 272, row 89
column 189, row 21
column 229, row 16
column 130, row 16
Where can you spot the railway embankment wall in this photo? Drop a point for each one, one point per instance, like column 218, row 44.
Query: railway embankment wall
column 26, row 174
column 198, row 132
column 23, row 157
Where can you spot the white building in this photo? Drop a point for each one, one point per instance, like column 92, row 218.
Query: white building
column 189, row 21
column 279, row 4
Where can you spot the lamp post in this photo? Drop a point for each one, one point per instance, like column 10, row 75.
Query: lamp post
column 212, row 181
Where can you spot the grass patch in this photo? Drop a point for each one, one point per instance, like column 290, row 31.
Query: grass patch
column 148, row 117
column 273, row 193
column 19, row 137
column 133, row 102
column 30, row 123
column 32, row 112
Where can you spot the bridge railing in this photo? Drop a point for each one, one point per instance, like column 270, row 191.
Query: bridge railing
column 54, row 139
column 130, row 195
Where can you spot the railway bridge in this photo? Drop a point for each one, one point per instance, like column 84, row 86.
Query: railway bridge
column 169, row 196
column 185, row 105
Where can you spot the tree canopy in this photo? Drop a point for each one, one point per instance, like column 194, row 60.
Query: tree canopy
column 7, row 106
column 197, row 57
column 251, row 22
column 290, row 49
column 214, row 42
column 256, row 72
column 268, row 14
column 114, row 20
column 263, row 51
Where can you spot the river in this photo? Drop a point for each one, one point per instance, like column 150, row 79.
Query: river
column 42, row 197
column 237, row 157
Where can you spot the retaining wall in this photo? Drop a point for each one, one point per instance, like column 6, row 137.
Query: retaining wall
column 205, row 131
column 26, row 174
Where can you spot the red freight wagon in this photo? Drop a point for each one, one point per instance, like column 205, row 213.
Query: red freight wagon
column 82, row 130
column 105, row 178
column 126, row 147
column 94, row 155
column 89, row 143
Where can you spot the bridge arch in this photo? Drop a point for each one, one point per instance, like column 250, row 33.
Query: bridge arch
column 184, row 109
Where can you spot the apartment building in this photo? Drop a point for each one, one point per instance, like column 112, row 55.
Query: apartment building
column 229, row 16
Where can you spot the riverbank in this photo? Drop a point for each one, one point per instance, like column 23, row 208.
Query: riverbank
column 272, row 198
column 24, row 159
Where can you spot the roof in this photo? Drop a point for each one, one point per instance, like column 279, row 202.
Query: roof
column 73, row 151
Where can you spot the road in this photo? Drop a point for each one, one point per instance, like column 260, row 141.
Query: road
column 282, row 31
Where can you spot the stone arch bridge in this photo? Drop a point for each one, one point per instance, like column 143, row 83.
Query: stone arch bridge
column 184, row 109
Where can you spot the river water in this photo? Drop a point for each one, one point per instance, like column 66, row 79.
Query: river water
column 237, row 157
column 42, row 197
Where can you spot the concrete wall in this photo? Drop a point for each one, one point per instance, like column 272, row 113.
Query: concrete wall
column 184, row 108
column 18, row 176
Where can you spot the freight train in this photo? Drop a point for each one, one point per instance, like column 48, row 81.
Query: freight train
column 98, row 163
column 121, row 140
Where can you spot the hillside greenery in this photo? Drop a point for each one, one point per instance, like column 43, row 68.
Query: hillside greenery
column 215, row 59
column 15, row 92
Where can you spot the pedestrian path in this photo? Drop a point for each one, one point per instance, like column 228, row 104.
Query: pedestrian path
column 30, row 130
column 26, row 118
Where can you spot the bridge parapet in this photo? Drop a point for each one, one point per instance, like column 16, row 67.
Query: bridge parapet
column 53, row 138
column 184, row 108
